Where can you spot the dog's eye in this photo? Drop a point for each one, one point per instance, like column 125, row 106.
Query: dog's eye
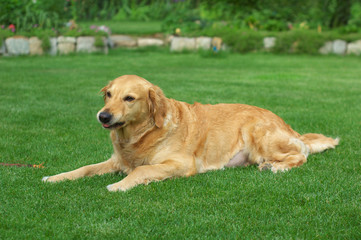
column 128, row 98
column 109, row 95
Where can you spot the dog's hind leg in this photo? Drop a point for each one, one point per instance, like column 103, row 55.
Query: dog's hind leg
column 284, row 164
column 285, row 155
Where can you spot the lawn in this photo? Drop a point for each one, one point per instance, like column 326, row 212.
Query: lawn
column 48, row 107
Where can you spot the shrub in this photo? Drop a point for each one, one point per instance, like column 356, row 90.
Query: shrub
column 92, row 31
column 25, row 14
column 44, row 36
column 299, row 41
column 183, row 18
column 99, row 41
column 4, row 33
column 239, row 40
column 245, row 41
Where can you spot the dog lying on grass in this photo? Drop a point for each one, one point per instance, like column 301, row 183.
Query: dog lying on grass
column 156, row 138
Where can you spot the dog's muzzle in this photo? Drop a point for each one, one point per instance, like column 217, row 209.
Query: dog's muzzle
column 105, row 118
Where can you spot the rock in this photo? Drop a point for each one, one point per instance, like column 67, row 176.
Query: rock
column 145, row 42
column 269, row 42
column 123, row 41
column 17, row 45
column 203, row 43
column 87, row 44
column 216, row 43
column 168, row 39
column 182, row 43
column 110, row 42
column 35, row 46
column 326, row 48
column 53, row 46
column 339, row 47
column 66, row 45
column 354, row 48
column 225, row 47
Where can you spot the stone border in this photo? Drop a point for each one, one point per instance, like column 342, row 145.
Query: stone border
column 19, row 45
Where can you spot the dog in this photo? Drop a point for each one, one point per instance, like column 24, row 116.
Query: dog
column 155, row 138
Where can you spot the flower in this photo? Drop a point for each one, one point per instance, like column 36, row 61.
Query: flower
column 101, row 28
column 12, row 27
column 2, row 26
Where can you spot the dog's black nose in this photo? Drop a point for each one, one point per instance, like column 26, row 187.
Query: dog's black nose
column 105, row 117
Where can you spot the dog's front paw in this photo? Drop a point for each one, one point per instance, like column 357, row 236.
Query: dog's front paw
column 117, row 187
column 51, row 179
column 44, row 179
column 277, row 169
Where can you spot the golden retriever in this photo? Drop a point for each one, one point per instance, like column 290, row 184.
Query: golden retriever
column 155, row 137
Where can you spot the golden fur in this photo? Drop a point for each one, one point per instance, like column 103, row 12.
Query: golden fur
column 155, row 137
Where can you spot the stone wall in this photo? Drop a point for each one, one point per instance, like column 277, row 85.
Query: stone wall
column 19, row 45
column 338, row 47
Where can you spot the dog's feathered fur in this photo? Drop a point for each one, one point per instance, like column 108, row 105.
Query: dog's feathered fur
column 155, row 138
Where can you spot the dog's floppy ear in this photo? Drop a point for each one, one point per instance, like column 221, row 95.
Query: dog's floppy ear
column 157, row 105
column 104, row 90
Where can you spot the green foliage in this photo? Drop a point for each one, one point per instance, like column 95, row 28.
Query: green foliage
column 42, row 32
column 299, row 41
column 45, row 44
column 266, row 20
column 354, row 23
column 27, row 14
column 141, row 10
column 81, row 32
column 216, row 11
column 44, row 36
column 239, row 40
column 139, row 13
column 126, row 27
column 5, row 33
column 355, row 18
column 183, row 17
column 245, row 41
column 186, row 22
column 99, row 41
column 189, row 17
column 275, row 15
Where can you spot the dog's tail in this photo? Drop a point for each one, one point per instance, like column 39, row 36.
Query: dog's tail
column 318, row 142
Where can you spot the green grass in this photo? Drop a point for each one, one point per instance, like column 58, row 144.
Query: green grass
column 48, row 107
column 127, row 27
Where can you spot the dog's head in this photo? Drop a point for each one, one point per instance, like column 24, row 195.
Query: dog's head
column 129, row 100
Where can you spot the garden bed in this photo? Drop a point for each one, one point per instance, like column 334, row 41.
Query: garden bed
column 21, row 45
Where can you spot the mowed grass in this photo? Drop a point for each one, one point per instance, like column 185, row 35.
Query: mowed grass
column 48, row 107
